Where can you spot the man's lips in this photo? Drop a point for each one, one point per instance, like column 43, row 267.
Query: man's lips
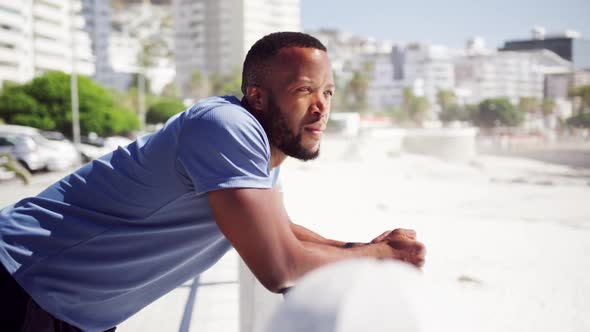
column 315, row 131
column 316, row 127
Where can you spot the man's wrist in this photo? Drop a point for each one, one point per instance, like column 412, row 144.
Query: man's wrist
column 349, row 245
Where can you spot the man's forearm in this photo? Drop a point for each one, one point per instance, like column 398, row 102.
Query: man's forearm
column 307, row 235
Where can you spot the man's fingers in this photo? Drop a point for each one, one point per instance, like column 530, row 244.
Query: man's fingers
column 419, row 249
column 413, row 252
column 409, row 233
column 381, row 237
column 408, row 249
column 418, row 262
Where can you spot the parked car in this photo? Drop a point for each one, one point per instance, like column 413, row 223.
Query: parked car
column 36, row 152
column 93, row 146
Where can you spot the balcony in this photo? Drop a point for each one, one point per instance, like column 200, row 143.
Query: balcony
column 10, row 37
column 79, row 22
column 48, row 13
column 8, row 55
column 46, row 62
column 49, row 30
column 50, row 46
column 9, row 73
column 85, row 68
column 52, row 3
column 11, row 18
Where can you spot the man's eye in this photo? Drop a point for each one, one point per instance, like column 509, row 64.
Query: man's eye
column 329, row 93
column 304, row 89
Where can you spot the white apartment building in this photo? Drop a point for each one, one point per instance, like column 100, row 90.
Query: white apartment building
column 507, row 74
column 141, row 40
column 349, row 52
column 424, row 68
column 37, row 36
column 213, row 36
column 473, row 74
column 97, row 17
column 429, row 69
column 383, row 91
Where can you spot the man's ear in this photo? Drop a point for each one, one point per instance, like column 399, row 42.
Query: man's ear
column 257, row 98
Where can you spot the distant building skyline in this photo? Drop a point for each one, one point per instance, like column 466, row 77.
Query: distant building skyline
column 37, row 36
column 213, row 36
column 451, row 22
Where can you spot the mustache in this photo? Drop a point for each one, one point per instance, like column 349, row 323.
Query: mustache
column 321, row 121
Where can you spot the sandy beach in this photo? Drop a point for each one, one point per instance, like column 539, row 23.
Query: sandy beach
column 508, row 239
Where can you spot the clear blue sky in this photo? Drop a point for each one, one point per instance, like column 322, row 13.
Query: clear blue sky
column 449, row 22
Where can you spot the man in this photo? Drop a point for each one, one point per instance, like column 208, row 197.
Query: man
column 102, row 243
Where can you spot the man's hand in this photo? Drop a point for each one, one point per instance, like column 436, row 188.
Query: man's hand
column 381, row 237
column 404, row 244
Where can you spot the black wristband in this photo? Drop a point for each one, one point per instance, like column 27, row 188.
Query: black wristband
column 348, row 245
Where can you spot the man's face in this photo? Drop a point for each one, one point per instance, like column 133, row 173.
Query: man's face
column 300, row 86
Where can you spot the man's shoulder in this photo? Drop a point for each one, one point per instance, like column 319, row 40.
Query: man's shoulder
column 225, row 112
column 217, row 104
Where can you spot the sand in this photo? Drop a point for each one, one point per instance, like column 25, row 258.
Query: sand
column 508, row 239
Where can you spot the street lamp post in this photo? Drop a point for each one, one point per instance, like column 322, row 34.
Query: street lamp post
column 74, row 81
column 141, row 98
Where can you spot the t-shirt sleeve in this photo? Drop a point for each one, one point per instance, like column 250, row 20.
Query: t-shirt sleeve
column 225, row 148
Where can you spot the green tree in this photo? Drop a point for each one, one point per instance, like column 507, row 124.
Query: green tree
column 398, row 115
column 581, row 120
column 18, row 107
column 162, row 110
column 454, row 112
column 196, row 85
column 338, row 102
column 529, row 104
column 170, row 90
column 446, row 99
column 416, row 107
column 135, row 82
column 582, row 92
column 356, row 91
column 226, row 84
column 45, row 103
column 548, row 106
column 497, row 112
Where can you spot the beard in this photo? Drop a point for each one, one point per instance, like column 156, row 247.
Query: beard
column 280, row 136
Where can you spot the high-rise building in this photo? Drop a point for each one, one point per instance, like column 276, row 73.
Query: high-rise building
column 423, row 68
column 569, row 45
column 15, row 41
column 348, row 52
column 507, row 74
column 37, row 36
column 213, row 36
column 351, row 54
column 141, row 41
column 384, row 90
column 430, row 67
column 97, row 19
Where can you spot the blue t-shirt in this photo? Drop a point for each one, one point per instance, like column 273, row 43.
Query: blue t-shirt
column 125, row 229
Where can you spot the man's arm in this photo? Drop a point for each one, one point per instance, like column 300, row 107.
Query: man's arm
column 307, row 235
column 258, row 227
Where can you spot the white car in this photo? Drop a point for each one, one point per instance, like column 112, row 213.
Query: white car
column 97, row 146
column 36, row 152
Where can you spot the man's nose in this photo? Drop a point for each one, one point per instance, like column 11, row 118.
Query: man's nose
column 320, row 104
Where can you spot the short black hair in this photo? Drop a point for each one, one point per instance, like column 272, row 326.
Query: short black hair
column 267, row 47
